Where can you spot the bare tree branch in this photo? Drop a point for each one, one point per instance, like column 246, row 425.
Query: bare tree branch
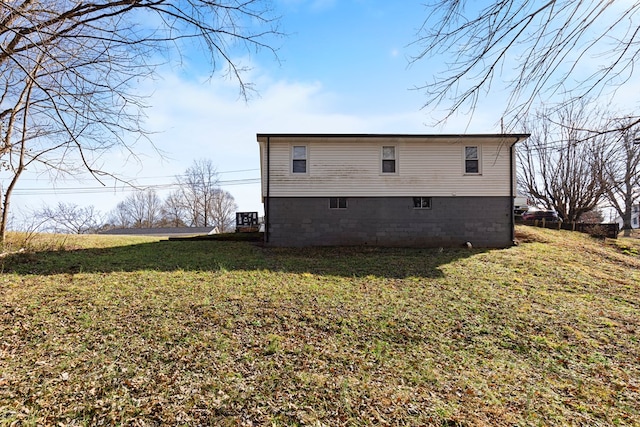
column 81, row 62
column 70, row 218
column 621, row 172
column 570, row 49
column 561, row 166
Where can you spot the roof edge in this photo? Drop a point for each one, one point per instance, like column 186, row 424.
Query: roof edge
column 393, row 135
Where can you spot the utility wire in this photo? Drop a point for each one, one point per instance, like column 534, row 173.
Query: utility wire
column 41, row 191
column 162, row 176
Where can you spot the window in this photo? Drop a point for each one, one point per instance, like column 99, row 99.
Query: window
column 337, row 203
column 422, row 202
column 472, row 160
column 299, row 159
column 389, row 159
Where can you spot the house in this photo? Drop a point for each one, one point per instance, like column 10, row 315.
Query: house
column 635, row 217
column 388, row 189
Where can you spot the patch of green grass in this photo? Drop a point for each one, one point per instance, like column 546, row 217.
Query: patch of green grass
column 140, row 331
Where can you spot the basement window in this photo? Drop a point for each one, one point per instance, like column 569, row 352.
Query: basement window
column 337, row 203
column 422, row 202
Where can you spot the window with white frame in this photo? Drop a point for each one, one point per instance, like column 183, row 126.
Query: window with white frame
column 299, row 159
column 388, row 159
column 337, row 203
column 422, row 202
column 472, row 159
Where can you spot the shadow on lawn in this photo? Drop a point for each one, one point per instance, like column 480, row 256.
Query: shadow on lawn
column 211, row 255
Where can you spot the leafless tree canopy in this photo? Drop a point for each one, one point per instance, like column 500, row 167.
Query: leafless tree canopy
column 141, row 209
column 621, row 172
column 173, row 210
column 223, row 211
column 561, row 164
column 70, row 218
column 540, row 48
column 198, row 202
column 70, row 72
column 198, row 186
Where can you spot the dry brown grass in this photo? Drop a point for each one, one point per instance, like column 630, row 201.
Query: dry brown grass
column 227, row 333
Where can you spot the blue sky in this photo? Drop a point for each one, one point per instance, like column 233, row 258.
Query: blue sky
column 344, row 67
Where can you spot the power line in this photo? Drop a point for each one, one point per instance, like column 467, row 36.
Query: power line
column 42, row 191
column 164, row 176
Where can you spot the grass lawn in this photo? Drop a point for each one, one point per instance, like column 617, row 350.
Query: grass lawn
column 105, row 330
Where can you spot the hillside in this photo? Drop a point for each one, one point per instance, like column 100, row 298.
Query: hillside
column 135, row 331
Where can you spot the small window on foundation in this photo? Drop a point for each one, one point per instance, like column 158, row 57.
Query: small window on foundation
column 337, row 203
column 422, row 202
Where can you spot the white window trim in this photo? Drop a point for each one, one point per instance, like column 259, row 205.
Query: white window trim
column 396, row 159
column 464, row 161
column 306, row 149
column 422, row 197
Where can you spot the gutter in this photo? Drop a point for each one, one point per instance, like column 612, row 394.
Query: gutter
column 267, row 204
column 511, row 187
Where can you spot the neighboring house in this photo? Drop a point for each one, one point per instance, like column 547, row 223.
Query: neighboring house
column 388, row 190
column 635, row 217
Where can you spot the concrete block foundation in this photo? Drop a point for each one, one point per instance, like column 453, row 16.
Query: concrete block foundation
column 390, row 221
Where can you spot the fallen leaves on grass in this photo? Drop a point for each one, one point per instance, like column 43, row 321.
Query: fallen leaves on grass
column 221, row 333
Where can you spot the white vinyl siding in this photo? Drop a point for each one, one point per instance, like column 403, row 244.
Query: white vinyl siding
column 344, row 167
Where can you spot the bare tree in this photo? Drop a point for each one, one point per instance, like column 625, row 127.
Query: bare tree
column 223, row 210
column 119, row 217
column 573, row 48
column 70, row 218
column 141, row 209
column 622, row 174
column 173, row 210
column 69, row 73
column 560, row 163
column 198, row 186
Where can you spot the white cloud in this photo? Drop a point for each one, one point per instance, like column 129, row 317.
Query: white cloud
column 207, row 120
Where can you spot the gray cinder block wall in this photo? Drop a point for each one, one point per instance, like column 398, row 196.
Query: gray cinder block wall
column 390, row 221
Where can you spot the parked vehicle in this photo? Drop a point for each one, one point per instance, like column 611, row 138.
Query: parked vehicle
column 520, row 206
column 540, row 214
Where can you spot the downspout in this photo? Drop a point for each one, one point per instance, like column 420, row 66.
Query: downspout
column 511, row 189
column 266, row 207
